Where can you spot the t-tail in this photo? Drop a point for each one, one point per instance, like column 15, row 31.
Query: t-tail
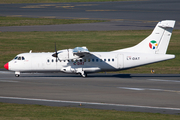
column 152, row 49
column 157, row 42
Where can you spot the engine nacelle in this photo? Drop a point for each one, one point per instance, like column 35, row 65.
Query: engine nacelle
column 67, row 54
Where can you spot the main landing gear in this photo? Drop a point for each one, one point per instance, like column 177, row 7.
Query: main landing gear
column 83, row 74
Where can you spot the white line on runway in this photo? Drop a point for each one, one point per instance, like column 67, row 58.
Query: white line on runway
column 90, row 103
column 128, row 88
column 160, row 80
column 8, row 81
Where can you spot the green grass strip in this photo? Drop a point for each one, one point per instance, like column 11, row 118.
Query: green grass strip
column 23, row 21
column 38, row 112
column 13, row 43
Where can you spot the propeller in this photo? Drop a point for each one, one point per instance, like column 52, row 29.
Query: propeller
column 55, row 54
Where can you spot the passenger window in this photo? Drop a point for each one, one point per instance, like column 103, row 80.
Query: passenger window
column 52, row 60
column 113, row 60
column 68, row 60
column 92, row 60
column 100, row 60
column 72, row 60
column 48, row 60
column 80, row 60
column 84, row 60
column 89, row 60
column 96, row 60
column 64, row 60
column 109, row 60
column 104, row 59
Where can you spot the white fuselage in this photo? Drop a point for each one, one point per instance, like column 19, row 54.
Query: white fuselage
column 80, row 61
column 94, row 62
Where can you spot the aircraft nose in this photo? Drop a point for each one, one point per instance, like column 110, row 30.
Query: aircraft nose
column 6, row 66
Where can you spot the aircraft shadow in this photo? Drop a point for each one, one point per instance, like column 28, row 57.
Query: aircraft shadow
column 103, row 75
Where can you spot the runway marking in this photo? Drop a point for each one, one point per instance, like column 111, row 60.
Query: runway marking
column 86, row 4
column 8, row 81
column 153, row 89
column 164, row 80
column 127, row 11
column 90, row 103
column 100, row 10
column 39, row 6
column 131, row 88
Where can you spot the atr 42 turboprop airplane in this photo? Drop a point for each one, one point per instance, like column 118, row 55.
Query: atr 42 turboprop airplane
column 81, row 61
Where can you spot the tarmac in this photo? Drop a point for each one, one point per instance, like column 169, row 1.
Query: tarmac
column 155, row 93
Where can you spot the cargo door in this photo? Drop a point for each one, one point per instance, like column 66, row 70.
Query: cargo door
column 120, row 61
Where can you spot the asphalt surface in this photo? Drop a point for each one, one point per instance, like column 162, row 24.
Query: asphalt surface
column 129, row 15
column 126, row 92
column 105, row 26
column 152, row 10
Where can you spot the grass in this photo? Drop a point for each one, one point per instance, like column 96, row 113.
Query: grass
column 23, row 21
column 13, row 43
column 53, row 1
column 38, row 112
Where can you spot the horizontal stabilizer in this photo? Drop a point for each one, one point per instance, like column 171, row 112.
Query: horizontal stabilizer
column 166, row 24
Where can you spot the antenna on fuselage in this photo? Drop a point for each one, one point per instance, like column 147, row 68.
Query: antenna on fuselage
column 30, row 51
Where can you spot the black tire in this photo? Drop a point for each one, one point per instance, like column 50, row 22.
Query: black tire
column 85, row 75
column 16, row 75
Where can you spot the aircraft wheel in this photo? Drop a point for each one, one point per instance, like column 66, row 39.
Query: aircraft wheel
column 17, row 75
column 84, row 75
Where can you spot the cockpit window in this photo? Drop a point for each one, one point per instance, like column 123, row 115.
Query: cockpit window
column 23, row 58
column 16, row 57
column 19, row 58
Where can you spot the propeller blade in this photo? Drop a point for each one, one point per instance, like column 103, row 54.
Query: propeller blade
column 55, row 54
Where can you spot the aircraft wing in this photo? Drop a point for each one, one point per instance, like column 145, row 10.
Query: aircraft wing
column 81, row 51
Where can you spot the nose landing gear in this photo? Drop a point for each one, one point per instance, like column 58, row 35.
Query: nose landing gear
column 17, row 74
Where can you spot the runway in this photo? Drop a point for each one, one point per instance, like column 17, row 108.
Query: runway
column 126, row 92
column 126, row 15
column 102, row 26
column 151, row 10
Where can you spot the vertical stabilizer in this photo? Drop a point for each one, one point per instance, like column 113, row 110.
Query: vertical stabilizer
column 168, row 26
column 157, row 42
